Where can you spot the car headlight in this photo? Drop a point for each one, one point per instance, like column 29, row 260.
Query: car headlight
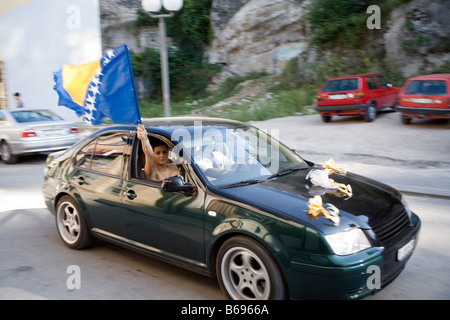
column 349, row 241
column 408, row 210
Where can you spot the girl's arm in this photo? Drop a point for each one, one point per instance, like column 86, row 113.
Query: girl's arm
column 148, row 151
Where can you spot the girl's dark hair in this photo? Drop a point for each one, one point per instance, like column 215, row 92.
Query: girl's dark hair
column 155, row 142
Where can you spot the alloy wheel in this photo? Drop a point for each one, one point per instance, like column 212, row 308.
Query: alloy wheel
column 68, row 222
column 245, row 275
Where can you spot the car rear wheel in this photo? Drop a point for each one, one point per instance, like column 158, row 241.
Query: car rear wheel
column 247, row 271
column 326, row 118
column 6, row 154
column 71, row 224
column 405, row 119
column 371, row 113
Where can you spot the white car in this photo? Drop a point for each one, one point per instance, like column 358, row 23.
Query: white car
column 29, row 131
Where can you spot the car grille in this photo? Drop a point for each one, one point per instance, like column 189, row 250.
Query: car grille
column 392, row 229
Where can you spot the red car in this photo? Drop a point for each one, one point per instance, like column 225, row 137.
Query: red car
column 425, row 97
column 358, row 94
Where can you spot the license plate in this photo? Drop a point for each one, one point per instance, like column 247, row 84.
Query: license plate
column 404, row 251
column 421, row 100
column 53, row 132
column 337, row 96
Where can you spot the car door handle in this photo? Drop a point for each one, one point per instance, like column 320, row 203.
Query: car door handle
column 80, row 181
column 130, row 194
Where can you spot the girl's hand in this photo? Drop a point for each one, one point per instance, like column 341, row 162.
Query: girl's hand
column 142, row 135
column 141, row 132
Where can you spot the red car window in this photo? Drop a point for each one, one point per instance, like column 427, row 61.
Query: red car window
column 432, row 87
column 382, row 82
column 341, row 85
column 371, row 83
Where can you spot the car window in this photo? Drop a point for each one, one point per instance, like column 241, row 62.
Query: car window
column 108, row 154
column 24, row 116
column 225, row 157
column 83, row 158
column 371, row 83
column 382, row 81
column 139, row 165
column 433, row 87
column 2, row 118
column 341, row 85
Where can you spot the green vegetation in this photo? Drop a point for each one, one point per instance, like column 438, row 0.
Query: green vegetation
column 190, row 31
column 337, row 21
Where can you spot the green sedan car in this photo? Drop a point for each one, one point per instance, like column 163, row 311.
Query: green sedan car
column 241, row 207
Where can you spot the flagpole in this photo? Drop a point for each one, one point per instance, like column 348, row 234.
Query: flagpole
column 133, row 84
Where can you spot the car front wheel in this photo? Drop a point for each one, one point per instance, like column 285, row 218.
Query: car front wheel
column 247, row 271
column 71, row 224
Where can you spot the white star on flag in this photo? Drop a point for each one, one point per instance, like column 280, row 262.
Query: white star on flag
column 94, row 89
column 96, row 80
column 88, row 117
column 110, row 53
column 90, row 99
column 90, row 107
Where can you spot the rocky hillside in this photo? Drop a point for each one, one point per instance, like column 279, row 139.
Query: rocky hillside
column 418, row 36
column 262, row 35
column 255, row 35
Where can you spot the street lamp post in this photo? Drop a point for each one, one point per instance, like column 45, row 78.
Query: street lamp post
column 152, row 7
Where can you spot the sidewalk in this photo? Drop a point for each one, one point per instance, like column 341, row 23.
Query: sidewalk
column 433, row 182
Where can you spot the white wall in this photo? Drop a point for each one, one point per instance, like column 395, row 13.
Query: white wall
column 36, row 39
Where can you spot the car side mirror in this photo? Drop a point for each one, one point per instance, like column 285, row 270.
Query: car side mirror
column 176, row 184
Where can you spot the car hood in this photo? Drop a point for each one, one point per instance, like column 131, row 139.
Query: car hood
column 287, row 197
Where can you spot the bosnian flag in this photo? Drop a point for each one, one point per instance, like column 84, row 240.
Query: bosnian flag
column 99, row 89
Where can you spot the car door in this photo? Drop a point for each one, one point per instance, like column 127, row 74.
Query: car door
column 389, row 92
column 97, row 178
column 375, row 92
column 165, row 223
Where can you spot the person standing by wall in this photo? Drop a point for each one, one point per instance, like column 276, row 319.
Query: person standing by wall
column 19, row 103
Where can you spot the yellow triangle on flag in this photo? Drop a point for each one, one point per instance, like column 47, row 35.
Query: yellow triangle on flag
column 76, row 79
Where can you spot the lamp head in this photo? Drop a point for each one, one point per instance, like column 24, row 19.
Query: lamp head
column 151, row 5
column 172, row 5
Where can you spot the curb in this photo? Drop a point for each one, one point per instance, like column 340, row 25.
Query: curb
column 423, row 191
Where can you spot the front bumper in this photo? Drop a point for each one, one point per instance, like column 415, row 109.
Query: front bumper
column 352, row 276
column 35, row 145
column 423, row 111
column 346, row 278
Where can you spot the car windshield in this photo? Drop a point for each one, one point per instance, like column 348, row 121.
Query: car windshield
column 234, row 157
column 23, row 116
column 341, row 85
column 432, row 87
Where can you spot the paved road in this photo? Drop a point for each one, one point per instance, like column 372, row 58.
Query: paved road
column 35, row 262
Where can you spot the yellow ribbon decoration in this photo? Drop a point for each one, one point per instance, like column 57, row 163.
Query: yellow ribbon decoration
column 345, row 189
column 320, row 178
column 315, row 209
column 330, row 165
